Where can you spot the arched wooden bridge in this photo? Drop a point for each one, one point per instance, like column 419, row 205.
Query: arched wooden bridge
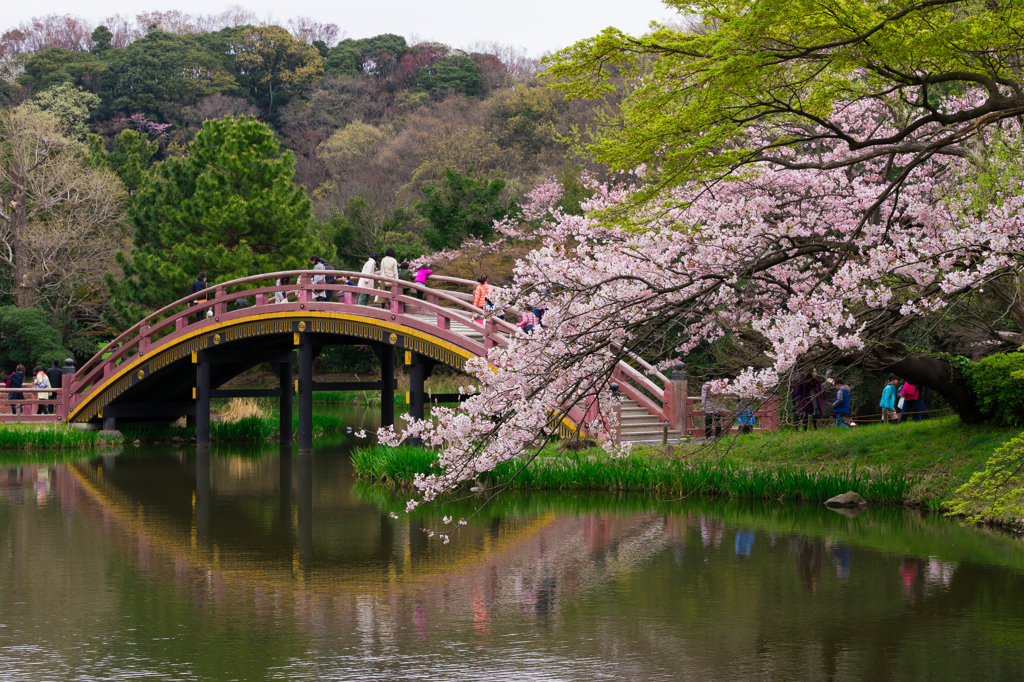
column 171, row 364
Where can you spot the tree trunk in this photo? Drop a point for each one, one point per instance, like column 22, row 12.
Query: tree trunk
column 19, row 224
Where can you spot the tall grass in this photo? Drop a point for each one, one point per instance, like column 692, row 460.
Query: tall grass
column 643, row 474
column 246, row 429
column 392, row 466
column 45, row 437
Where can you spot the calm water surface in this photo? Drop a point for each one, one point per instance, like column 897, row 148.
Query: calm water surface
column 158, row 563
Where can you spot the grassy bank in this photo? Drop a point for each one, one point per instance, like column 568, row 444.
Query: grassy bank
column 915, row 462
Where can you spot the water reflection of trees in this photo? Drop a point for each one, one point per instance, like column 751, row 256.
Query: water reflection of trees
column 757, row 592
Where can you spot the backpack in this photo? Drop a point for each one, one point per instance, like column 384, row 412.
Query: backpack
column 330, row 279
column 8, row 384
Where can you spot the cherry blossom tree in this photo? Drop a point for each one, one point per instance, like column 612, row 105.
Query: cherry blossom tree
column 810, row 181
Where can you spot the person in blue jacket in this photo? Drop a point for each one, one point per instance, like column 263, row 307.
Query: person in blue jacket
column 841, row 406
column 888, row 401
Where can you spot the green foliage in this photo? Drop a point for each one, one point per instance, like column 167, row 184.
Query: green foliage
column 101, row 36
column 129, row 159
column 456, row 75
column 274, row 63
column 461, row 207
column 162, row 68
column 28, row 336
column 998, row 384
column 694, row 90
column 230, row 208
column 351, row 57
column 996, row 491
column 69, row 104
column 55, row 65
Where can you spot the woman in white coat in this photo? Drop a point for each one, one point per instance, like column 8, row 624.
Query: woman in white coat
column 368, row 269
column 389, row 268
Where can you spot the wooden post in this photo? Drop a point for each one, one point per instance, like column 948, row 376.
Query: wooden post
column 387, row 378
column 284, row 373
column 305, row 395
column 490, row 331
column 676, row 404
column 202, row 404
column 397, row 307
column 417, row 394
column 219, row 305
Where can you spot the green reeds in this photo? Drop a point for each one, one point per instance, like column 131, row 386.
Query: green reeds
column 45, row 437
column 392, row 466
column 642, row 474
column 247, row 429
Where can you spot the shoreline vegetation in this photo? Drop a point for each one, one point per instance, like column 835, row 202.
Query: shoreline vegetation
column 239, row 420
column 915, row 463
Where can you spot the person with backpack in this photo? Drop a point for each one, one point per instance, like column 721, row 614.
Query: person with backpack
column 16, row 380
column 841, row 405
column 197, row 286
column 909, row 394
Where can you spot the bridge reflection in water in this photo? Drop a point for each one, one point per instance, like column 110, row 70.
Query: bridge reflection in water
column 264, row 564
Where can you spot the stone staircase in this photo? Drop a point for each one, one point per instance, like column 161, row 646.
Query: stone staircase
column 640, row 426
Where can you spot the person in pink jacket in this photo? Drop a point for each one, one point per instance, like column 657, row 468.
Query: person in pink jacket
column 481, row 292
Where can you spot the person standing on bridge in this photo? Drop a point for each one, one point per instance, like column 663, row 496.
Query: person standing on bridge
column 422, row 274
column 56, row 377
column 482, row 291
column 41, row 381
column 318, row 264
column 16, row 380
column 389, row 268
column 197, row 286
column 365, row 282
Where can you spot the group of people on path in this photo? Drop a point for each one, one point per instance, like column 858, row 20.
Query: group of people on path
column 49, row 378
column 817, row 402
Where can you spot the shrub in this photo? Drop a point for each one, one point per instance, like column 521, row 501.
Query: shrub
column 998, row 384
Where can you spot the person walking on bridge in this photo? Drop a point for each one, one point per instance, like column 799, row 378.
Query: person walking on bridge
column 197, row 286
column 365, row 282
column 422, row 274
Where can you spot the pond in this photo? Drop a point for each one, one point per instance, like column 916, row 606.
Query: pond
column 257, row 563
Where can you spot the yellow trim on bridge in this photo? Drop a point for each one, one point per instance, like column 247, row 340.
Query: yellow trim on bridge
column 137, row 360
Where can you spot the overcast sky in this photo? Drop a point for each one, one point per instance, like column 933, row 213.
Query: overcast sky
column 538, row 25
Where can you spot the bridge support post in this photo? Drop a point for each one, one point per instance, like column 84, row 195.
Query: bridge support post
column 284, row 373
column 418, row 373
column 387, row 391
column 305, row 396
column 203, row 404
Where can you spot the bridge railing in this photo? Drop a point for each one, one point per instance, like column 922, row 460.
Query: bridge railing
column 189, row 313
column 26, row 409
column 181, row 315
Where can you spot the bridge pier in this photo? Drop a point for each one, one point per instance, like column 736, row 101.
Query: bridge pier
column 386, row 353
column 419, row 370
column 305, row 395
column 284, row 373
column 305, row 511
